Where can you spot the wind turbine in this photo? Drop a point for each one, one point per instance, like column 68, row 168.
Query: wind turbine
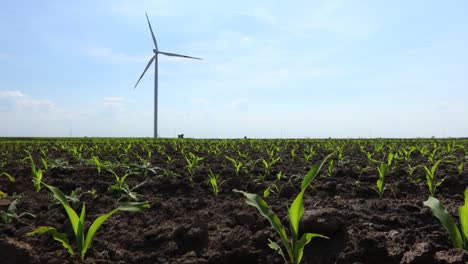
column 155, row 59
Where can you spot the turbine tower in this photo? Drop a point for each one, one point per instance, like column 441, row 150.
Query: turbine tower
column 155, row 59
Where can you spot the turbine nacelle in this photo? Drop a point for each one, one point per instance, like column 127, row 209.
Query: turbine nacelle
column 152, row 59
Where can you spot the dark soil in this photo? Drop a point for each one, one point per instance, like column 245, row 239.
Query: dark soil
column 188, row 224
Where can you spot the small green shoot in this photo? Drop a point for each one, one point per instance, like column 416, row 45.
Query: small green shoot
column 459, row 239
column 83, row 242
column 36, row 174
column 294, row 246
column 10, row 214
column 432, row 183
column 213, row 182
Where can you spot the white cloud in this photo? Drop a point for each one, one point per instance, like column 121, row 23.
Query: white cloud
column 11, row 94
column 34, row 103
column 24, row 101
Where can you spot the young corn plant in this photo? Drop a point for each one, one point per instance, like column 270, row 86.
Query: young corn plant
column 10, row 178
column 75, row 195
column 36, row 173
column 214, row 183
column 380, row 185
column 268, row 165
column 276, row 187
column 273, row 188
column 57, row 164
column 330, row 168
column 460, row 167
column 99, row 165
column 294, row 246
column 119, row 180
column 238, row 165
column 432, row 183
column 383, row 169
column 192, row 163
column 83, row 241
column 10, row 214
column 308, row 154
column 459, row 239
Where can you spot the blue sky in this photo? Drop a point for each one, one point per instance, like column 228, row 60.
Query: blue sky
column 337, row 68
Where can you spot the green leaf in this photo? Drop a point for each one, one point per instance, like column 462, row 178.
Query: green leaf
column 439, row 211
column 297, row 207
column 10, row 178
column 61, row 237
column 93, row 229
column 133, row 206
column 80, row 232
column 313, row 172
column 463, row 212
column 296, row 211
column 128, row 206
column 59, row 196
column 38, row 179
column 305, row 239
column 257, row 202
column 434, row 168
column 273, row 245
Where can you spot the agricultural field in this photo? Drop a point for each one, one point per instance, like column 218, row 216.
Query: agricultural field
column 185, row 200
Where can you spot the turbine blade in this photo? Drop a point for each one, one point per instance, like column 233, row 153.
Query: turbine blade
column 152, row 34
column 147, row 66
column 178, row 55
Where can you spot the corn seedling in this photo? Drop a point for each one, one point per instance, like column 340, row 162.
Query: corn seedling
column 460, row 167
column 279, row 175
column 213, row 182
column 119, row 180
column 130, row 193
column 58, row 164
column 459, row 239
column 83, row 242
column 432, row 183
column 36, row 174
column 268, row 165
column 383, row 169
column 99, row 165
column 169, row 159
column 339, row 150
column 45, row 164
column 192, row 163
column 273, row 188
column 75, row 195
column 293, row 152
column 10, row 178
column 10, row 214
column 330, row 168
column 432, row 155
column 407, row 153
column 370, row 158
column 308, row 154
column 380, row 185
column 145, row 168
column 294, row 246
column 237, row 165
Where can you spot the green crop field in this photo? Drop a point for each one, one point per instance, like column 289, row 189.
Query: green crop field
column 116, row 200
